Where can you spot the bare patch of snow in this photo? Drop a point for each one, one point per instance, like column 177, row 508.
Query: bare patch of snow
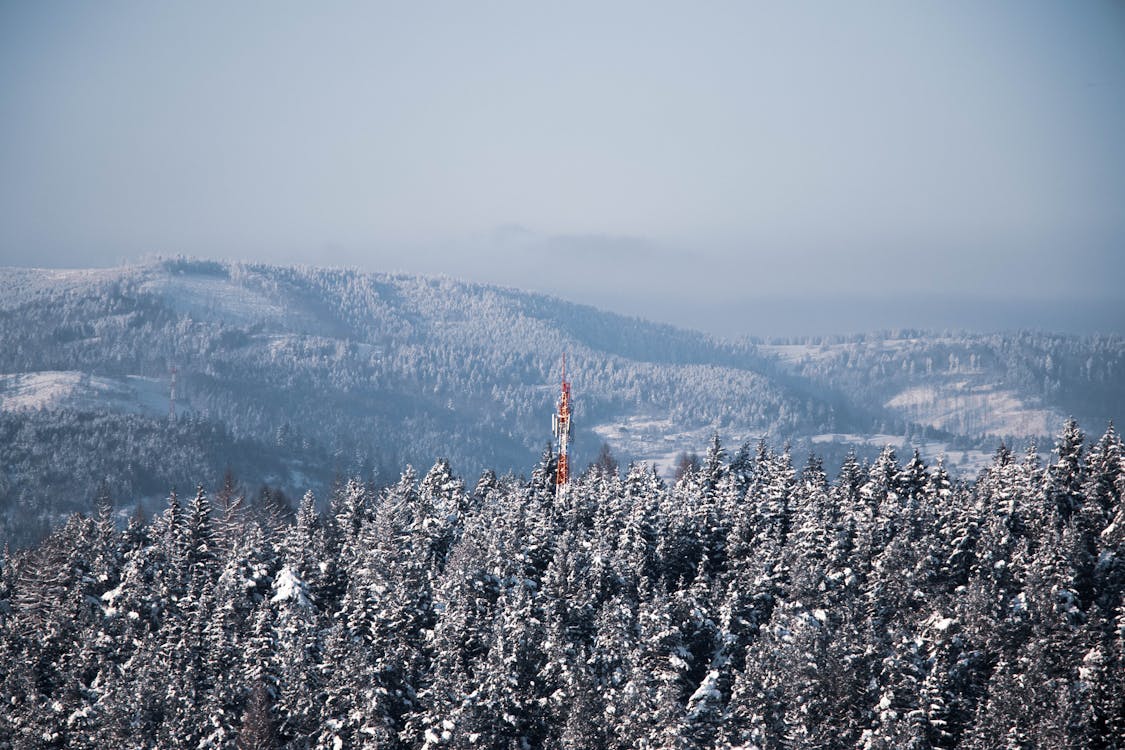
column 214, row 297
column 54, row 389
column 973, row 409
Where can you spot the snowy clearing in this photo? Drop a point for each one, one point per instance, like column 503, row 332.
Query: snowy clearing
column 974, row 409
column 53, row 389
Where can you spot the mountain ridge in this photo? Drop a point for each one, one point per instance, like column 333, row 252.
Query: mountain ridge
column 369, row 371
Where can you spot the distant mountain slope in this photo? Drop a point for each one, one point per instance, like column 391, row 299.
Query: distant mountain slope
column 1021, row 384
column 319, row 372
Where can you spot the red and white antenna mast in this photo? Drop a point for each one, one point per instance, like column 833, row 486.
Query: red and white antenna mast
column 561, row 426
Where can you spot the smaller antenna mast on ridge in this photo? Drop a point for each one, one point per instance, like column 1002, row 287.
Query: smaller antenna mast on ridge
column 172, row 397
column 561, row 425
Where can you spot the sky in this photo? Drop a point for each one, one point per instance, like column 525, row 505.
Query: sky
column 742, row 168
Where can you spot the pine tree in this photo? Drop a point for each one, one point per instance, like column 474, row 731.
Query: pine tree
column 1067, row 475
column 257, row 731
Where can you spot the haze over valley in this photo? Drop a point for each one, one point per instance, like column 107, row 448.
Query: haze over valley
column 576, row 376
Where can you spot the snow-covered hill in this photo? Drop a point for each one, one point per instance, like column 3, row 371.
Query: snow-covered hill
column 372, row 371
column 992, row 386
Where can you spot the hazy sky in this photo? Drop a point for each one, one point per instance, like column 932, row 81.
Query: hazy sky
column 739, row 167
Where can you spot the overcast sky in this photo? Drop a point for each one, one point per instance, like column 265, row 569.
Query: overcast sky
column 744, row 168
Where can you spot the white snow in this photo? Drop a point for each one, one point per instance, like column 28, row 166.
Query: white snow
column 289, row 587
column 942, row 624
column 973, row 409
column 110, row 598
column 877, row 440
column 52, row 389
column 23, row 285
column 796, row 353
column 208, row 296
column 36, row 390
column 707, row 692
column 965, row 463
column 650, row 439
column 81, row 713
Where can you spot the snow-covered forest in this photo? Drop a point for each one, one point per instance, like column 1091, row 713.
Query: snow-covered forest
column 752, row 603
column 292, row 375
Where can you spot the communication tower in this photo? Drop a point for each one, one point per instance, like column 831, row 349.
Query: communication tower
column 172, row 397
column 560, row 424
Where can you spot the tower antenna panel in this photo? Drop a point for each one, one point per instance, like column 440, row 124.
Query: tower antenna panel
column 560, row 424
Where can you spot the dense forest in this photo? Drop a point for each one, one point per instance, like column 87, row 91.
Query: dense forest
column 56, row 462
column 749, row 604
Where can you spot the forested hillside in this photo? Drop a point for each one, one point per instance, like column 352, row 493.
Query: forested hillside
column 751, row 604
column 971, row 384
column 291, row 376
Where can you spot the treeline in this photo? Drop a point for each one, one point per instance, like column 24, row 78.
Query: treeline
column 53, row 462
column 751, row 604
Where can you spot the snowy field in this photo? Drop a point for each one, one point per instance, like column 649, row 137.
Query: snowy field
column 648, row 439
column 233, row 300
column 52, row 389
column 974, row 409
